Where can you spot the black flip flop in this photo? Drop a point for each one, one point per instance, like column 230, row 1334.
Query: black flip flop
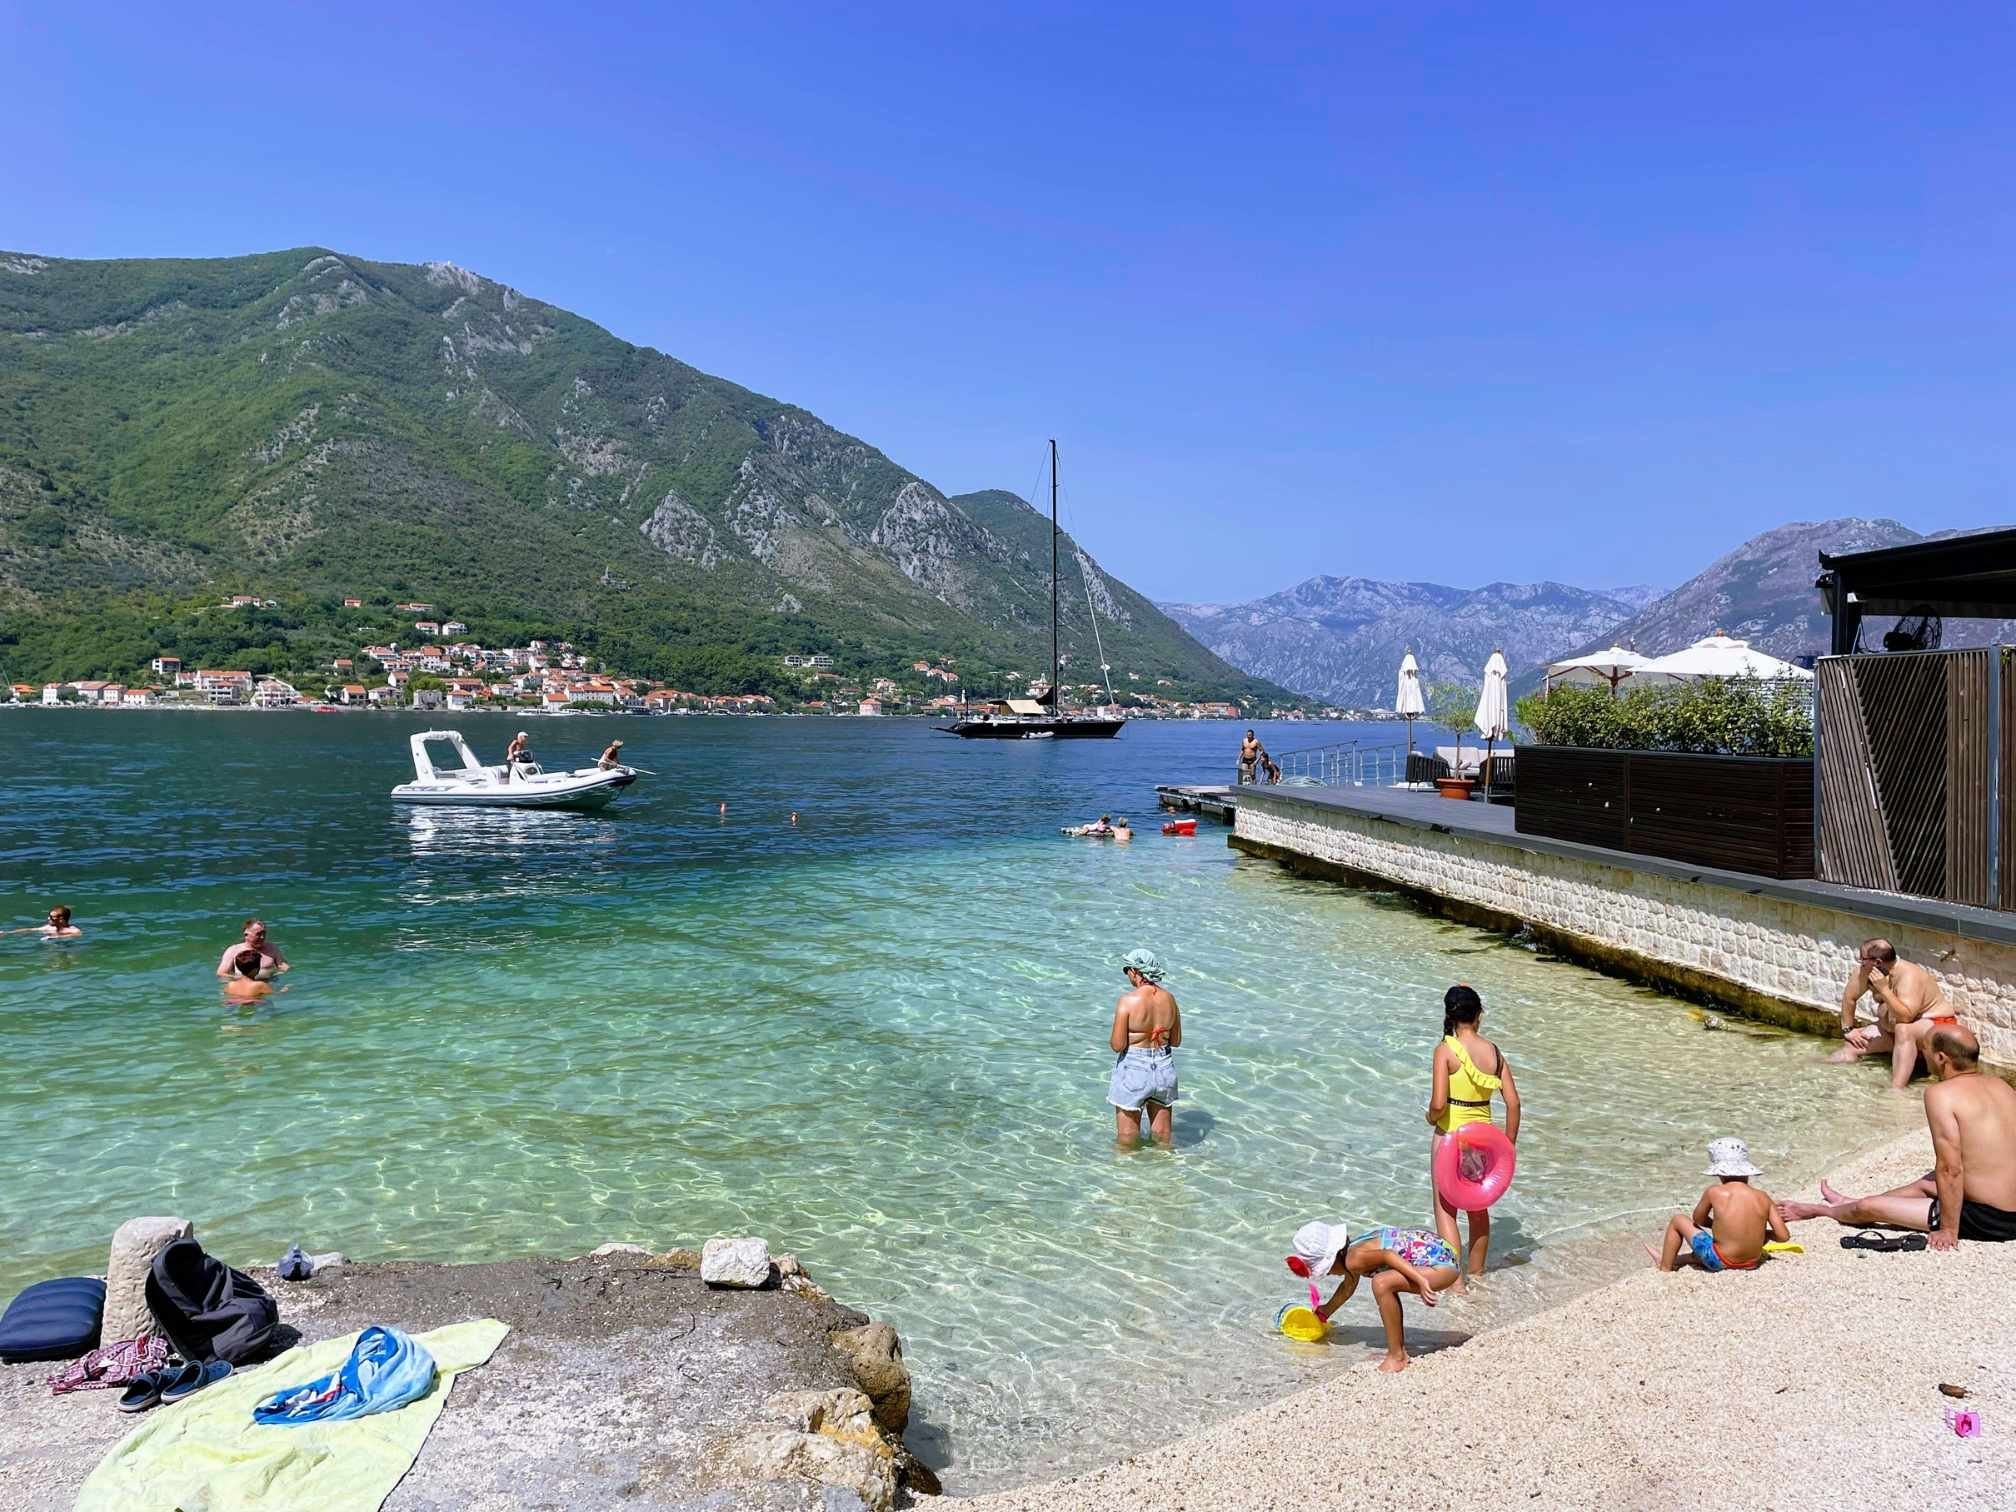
column 1881, row 1243
column 145, row 1389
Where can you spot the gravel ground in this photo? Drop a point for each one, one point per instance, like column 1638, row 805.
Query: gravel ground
column 613, row 1379
column 1810, row 1383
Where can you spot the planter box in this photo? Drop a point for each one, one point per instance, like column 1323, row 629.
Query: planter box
column 1740, row 813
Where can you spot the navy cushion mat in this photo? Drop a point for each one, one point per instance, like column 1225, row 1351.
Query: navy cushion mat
column 53, row 1320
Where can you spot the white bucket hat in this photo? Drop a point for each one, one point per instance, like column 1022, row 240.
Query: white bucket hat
column 1318, row 1244
column 1730, row 1157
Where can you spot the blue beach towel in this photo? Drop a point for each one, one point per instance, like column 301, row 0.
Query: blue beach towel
column 386, row 1369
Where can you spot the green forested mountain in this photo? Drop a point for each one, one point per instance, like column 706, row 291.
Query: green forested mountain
column 303, row 426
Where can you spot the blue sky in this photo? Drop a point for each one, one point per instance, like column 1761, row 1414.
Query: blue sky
column 1590, row 292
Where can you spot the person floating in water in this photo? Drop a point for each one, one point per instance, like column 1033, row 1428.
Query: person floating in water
column 58, row 926
column 1122, row 830
column 1727, row 1228
column 724, row 808
column 1147, row 1028
column 272, row 962
column 1460, row 1094
column 244, row 984
column 794, row 818
column 1396, row 1259
column 612, row 756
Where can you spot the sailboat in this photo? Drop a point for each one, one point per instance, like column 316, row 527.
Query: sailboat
column 1043, row 717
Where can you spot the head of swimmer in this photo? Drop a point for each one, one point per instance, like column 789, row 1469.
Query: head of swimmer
column 1952, row 1051
column 1460, row 1006
column 247, row 963
column 255, row 932
column 59, row 917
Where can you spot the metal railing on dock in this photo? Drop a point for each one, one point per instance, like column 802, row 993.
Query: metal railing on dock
column 1349, row 763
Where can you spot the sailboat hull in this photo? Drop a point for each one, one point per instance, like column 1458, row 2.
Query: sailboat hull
column 1035, row 729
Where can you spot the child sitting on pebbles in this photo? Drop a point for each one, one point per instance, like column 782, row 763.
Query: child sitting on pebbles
column 1730, row 1222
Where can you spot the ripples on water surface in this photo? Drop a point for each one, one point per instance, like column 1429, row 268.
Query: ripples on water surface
column 878, row 1039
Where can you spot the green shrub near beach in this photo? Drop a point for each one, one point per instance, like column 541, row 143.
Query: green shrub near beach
column 1724, row 716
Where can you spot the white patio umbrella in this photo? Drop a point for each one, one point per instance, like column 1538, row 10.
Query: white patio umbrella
column 1718, row 655
column 1494, row 704
column 1596, row 669
column 1407, row 700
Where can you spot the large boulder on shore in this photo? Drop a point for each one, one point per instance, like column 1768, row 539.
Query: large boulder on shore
column 826, row 1437
column 134, row 1246
column 743, row 1263
column 874, row 1357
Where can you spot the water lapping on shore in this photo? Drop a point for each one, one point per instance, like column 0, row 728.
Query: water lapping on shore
column 878, row 1039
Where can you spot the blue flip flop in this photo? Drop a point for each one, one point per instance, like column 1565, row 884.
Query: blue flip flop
column 192, row 1378
column 145, row 1389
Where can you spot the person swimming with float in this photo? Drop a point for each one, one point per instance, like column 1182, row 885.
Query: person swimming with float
column 1395, row 1259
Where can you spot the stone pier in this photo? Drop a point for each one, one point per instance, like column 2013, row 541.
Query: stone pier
column 1768, row 949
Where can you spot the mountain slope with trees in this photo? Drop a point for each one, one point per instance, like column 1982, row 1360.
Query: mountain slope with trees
column 303, row 425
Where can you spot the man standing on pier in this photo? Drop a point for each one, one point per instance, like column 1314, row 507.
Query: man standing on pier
column 1971, row 1192
column 1910, row 1005
column 1251, row 754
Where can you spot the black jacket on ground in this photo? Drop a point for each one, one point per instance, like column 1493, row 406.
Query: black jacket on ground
column 210, row 1311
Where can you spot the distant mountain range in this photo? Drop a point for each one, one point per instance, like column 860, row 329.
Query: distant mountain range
column 305, row 425
column 1341, row 639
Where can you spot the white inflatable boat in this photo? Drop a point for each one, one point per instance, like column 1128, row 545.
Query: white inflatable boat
column 522, row 784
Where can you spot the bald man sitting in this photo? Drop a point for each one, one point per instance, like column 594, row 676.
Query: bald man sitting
column 1971, row 1192
column 1910, row 1004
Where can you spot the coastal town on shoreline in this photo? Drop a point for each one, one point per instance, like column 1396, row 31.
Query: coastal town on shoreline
column 441, row 669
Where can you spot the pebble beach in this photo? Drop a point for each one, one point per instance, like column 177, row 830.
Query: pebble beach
column 1812, row 1383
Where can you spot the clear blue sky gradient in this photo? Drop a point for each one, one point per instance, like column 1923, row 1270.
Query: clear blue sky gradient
column 1590, row 292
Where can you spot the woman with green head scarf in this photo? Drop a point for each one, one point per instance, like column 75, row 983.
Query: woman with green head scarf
column 1147, row 1028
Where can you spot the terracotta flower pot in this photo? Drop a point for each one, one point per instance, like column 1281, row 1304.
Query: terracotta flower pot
column 1454, row 787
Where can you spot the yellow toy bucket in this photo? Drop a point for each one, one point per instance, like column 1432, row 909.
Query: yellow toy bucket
column 1298, row 1321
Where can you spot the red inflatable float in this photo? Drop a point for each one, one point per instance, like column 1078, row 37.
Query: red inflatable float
column 1473, row 1166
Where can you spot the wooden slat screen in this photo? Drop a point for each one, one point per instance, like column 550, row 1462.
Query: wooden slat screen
column 1854, row 848
column 1967, row 810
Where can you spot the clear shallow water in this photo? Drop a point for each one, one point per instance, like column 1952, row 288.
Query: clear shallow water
column 878, row 1039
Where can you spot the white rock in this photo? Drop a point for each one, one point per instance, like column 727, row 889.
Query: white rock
column 134, row 1247
column 743, row 1262
column 620, row 1247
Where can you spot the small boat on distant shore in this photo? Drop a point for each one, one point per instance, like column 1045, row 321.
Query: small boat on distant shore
column 523, row 785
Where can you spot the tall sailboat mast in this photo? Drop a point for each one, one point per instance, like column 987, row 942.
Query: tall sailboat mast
column 1056, row 692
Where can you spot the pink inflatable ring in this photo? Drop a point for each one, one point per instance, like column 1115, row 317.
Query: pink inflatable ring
column 1491, row 1164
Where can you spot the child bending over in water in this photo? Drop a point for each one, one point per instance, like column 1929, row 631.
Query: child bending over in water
column 1729, row 1224
column 1396, row 1259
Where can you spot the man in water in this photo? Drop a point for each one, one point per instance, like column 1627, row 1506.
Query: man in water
column 244, row 985
column 1251, row 753
column 1910, row 1005
column 1147, row 1028
column 272, row 962
column 57, row 927
column 519, row 750
column 1970, row 1193
column 612, row 756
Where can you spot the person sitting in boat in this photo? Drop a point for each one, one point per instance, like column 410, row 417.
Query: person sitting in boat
column 272, row 961
column 520, row 750
column 612, row 756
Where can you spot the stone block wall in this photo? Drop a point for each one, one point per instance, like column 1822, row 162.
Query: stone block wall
column 1769, row 956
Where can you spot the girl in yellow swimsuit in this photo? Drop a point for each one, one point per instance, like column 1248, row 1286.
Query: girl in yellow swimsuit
column 1462, row 1094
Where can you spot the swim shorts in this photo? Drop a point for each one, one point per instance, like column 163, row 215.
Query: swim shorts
column 1142, row 1076
column 1704, row 1250
column 1978, row 1221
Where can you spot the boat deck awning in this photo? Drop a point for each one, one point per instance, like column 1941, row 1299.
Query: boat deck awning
column 1026, row 706
column 1956, row 577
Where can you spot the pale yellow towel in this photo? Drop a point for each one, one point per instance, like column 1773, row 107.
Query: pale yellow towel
column 207, row 1455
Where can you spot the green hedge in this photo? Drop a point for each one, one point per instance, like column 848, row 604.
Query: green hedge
column 1731, row 717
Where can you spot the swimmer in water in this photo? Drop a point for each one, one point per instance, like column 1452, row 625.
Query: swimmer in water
column 724, row 808
column 255, row 940
column 794, row 818
column 59, row 926
column 243, row 985
column 1122, row 830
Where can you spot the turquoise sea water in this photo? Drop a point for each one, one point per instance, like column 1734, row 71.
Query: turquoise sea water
column 877, row 1039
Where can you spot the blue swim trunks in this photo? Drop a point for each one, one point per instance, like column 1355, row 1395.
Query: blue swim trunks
column 1704, row 1250
column 1142, row 1076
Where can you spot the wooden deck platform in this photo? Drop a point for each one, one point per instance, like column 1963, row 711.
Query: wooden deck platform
column 1220, row 803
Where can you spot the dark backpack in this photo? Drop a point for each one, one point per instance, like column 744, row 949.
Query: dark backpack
column 209, row 1310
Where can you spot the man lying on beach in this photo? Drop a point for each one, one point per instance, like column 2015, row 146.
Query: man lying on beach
column 1970, row 1193
column 244, row 985
column 255, row 939
column 1910, row 1004
column 1397, row 1260
column 1727, row 1229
